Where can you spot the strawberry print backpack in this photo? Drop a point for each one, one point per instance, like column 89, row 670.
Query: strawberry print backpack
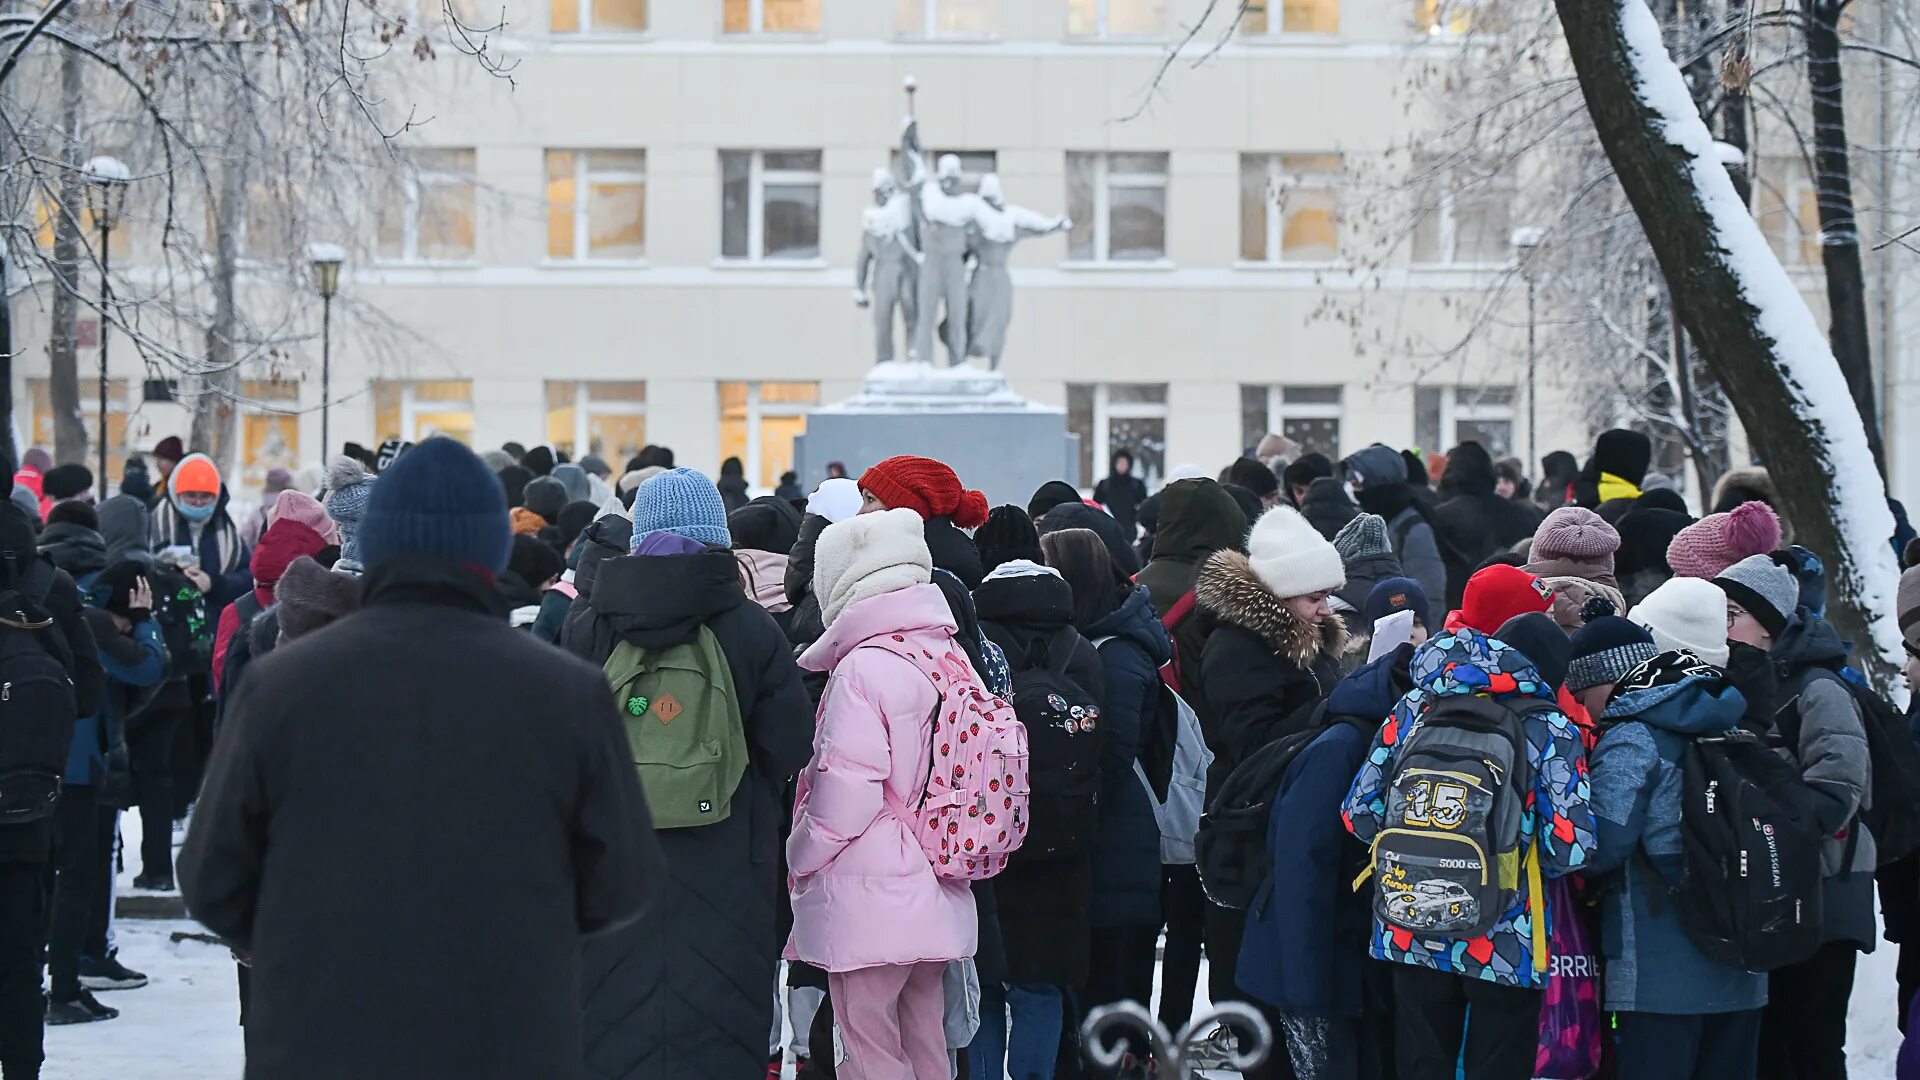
column 972, row 814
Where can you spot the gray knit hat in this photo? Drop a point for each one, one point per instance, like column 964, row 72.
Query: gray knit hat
column 1363, row 537
column 1605, row 650
column 1907, row 605
column 1766, row 589
column 349, row 485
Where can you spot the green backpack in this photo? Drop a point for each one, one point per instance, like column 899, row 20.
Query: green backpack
column 683, row 725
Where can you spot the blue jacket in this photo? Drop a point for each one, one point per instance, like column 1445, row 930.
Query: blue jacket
column 1652, row 966
column 1305, row 948
column 1557, row 813
column 1126, row 848
column 131, row 663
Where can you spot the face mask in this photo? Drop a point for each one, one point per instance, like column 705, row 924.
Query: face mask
column 196, row 513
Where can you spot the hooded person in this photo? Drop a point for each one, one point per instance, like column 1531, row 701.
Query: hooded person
column 1677, row 1013
column 285, row 540
column 1717, row 541
column 294, row 857
column 732, row 484
column 1323, row 499
column 539, row 461
column 124, row 528
column 1008, row 536
column 574, row 519
column 72, row 542
column 573, row 479
column 599, row 478
column 532, row 568
column 867, row 906
column 688, row 993
column 193, row 514
column 929, row 488
column 1510, row 479
column 1572, row 554
column 1558, row 471
column 1121, row 494
column 1102, row 524
column 1123, row 912
column 764, row 533
column 1475, row 522
column 1615, row 470
column 1380, row 483
column 514, row 480
column 29, row 503
column 1049, row 495
column 497, row 460
column 1498, row 975
column 349, row 490
column 1041, row 897
column 1744, row 485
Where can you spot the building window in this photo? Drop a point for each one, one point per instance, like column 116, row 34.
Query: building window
column 1116, row 18
column 430, row 218
column 974, row 164
column 771, row 17
column 1455, row 18
column 1289, row 207
column 412, row 411
column 1110, row 417
column 946, row 18
column 119, row 407
column 1309, row 415
column 1787, row 206
column 1446, row 416
column 269, row 429
column 1118, row 203
column 770, row 204
column 599, row 16
column 758, row 423
column 604, row 418
column 1471, row 221
column 596, row 204
column 1293, row 17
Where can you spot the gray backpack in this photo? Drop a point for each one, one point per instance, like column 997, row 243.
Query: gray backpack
column 1448, row 861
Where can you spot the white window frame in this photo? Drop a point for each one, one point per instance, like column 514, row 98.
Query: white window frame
column 1103, row 25
column 1447, row 216
column 586, row 408
column 587, row 28
column 1106, row 411
column 411, row 407
column 929, row 28
column 1277, row 25
column 758, row 177
column 1104, row 181
column 757, row 411
column 1279, row 410
column 1279, row 180
column 757, row 22
column 414, row 180
column 584, row 177
column 1453, row 411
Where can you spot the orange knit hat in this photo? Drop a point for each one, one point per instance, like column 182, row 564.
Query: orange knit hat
column 196, row 473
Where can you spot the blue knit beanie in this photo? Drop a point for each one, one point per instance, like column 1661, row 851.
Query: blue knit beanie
column 438, row 500
column 682, row 502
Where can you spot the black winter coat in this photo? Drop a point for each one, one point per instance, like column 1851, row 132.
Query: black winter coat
column 1475, row 523
column 410, row 819
column 1126, row 850
column 1198, row 518
column 1122, row 496
column 1263, row 667
column 689, row 990
column 607, row 538
column 1042, row 905
column 954, row 551
column 1327, row 507
column 806, row 625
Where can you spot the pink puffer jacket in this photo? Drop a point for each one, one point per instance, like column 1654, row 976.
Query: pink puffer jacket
column 863, row 891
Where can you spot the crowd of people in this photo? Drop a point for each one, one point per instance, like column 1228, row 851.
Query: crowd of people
column 506, row 765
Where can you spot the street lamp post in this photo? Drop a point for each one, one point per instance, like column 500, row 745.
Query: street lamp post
column 107, row 179
column 1526, row 242
column 326, row 260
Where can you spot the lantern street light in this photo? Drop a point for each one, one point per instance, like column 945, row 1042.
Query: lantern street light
column 326, row 260
column 1526, row 242
column 107, row 179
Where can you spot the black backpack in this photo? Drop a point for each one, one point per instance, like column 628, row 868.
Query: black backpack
column 1065, row 740
column 1749, row 896
column 38, row 706
column 180, row 609
column 1893, row 814
column 1231, row 847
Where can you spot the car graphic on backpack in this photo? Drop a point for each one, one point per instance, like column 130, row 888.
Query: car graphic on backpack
column 1434, row 903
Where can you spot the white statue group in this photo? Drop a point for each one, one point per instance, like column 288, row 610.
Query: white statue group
column 925, row 245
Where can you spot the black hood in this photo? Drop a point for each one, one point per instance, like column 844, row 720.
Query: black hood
column 800, row 559
column 1197, row 518
column 954, row 551
column 1808, row 640
column 1469, row 471
column 124, row 526
column 965, row 620
column 1126, row 562
column 1136, row 621
column 656, row 601
column 1386, row 500
column 74, row 548
column 17, row 550
column 768, row 523
column 607, row 538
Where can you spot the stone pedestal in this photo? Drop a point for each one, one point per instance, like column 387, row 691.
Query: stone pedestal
column 967, row 417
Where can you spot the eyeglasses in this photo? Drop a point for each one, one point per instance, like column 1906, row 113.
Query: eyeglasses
column 1734, row 614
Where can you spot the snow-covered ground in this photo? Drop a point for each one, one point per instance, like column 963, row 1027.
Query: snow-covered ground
column 185, row 1023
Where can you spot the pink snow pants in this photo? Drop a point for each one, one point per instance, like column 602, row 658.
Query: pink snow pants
column 892, row 1022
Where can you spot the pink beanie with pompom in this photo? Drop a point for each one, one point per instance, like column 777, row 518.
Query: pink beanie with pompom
column 1707, row 547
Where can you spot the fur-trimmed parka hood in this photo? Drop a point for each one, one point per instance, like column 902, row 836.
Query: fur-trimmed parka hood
column 1228, row 589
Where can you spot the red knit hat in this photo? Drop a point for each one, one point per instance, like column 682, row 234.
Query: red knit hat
column 1501, row 592
column 926, row 487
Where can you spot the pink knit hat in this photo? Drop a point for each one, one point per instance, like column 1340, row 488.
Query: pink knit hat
column 1575, row 533
column 305, row 509
column 1707, row 547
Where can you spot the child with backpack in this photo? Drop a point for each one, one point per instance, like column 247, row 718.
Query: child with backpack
column 1472, row 794
column 869, row 905
column 1818, row 723
column 1677, row 1014
column 1059, row 692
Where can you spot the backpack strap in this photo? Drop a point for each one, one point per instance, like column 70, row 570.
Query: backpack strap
column 939, row 701
column 1178, row 613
